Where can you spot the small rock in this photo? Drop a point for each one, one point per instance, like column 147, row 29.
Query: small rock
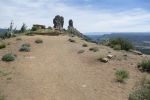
column 109, row 56
column 105, row 60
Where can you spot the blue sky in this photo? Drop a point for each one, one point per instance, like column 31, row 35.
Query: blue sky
column 88, row 15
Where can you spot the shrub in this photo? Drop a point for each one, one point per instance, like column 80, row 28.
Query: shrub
column 38, row 41
column 8, row 57
column 71, row 40
column 142, row 93
column 94, row 49
column 85, row 45
column 2, row 45
column 144, row 65
column 81, row 51
column 120, row 43
column 121, row 75
column 25, row 49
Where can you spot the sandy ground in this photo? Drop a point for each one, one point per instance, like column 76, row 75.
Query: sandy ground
column 55, row 71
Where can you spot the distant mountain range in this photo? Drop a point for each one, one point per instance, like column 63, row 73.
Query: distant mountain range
column 3, row 30
column 141, row 40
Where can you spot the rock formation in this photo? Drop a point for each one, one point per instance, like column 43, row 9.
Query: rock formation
column 58, row 22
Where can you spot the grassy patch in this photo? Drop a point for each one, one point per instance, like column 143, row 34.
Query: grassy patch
column 142, row 92
column 121, row 75
column 144, row 65
column 8, row 57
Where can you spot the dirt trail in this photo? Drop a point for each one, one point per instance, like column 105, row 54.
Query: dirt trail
column 54, row 71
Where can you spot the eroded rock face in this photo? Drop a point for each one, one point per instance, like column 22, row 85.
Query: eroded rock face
column 58, row 22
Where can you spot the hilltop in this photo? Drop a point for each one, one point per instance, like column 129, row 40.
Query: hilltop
column 56, row 70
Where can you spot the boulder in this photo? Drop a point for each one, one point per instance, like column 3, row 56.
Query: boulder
column 110, row 56
column 105, row 60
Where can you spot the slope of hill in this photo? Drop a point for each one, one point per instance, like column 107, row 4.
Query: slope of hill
column 140, row 40
column 54, row 70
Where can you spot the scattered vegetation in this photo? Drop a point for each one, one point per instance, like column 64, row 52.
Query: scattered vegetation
column 38, row 41
column 71, row 40
column 85, row 45
column 8, row 57
column 144, row 65
column 142, row 92
column 121, row 75
column 94, row 49
column 25, row 47
column 2, row 45
column 81, row 51
column 120, row 44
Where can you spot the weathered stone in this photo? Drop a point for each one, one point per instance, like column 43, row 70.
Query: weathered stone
column 58, row 22
column 105, row 60
column 110, row 56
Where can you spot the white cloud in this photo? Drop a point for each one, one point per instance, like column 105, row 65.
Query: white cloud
column 85, row 20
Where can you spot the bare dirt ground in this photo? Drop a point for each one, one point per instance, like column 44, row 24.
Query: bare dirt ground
column 54, row 70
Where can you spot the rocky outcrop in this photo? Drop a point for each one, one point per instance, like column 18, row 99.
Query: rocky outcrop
column 58, row 22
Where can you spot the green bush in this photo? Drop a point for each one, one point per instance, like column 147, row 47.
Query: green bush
column 94, row 49
column 121, row 75
column 2, row 45
column 123, row 43
column 38, row 41
column 144, row 65
column 85, row 45
column 8, row 57
column 25, row 49
column 142, row 93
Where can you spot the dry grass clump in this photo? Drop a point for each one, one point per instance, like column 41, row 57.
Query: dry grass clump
column 121, row 75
